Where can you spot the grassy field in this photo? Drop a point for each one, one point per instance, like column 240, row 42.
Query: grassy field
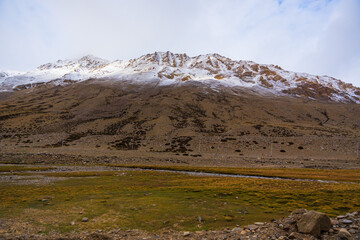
column 153, row 201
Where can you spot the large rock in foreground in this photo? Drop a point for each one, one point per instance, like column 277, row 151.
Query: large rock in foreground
column 314, row 223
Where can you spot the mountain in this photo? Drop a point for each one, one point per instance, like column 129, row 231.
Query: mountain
column 166, row 68
column 174, row 109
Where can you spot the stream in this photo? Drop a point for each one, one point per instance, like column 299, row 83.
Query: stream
column 230, row 175
column 193, row 173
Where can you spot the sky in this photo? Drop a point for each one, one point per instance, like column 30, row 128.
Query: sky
column 320, row 37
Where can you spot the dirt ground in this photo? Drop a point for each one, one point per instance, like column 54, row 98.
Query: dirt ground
column 160, row 159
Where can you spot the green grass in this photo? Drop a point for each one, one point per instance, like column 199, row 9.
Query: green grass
column 153, row 201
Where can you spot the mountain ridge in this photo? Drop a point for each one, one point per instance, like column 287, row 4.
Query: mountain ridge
column 167, row 68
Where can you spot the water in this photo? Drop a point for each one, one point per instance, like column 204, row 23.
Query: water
column 231, row 175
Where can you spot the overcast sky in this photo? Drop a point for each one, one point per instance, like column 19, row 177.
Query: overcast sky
column 315, row 36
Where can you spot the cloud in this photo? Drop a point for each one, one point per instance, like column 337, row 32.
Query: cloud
column 315, row 36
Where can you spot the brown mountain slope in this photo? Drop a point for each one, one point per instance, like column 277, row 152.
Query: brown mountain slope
column 185, row 124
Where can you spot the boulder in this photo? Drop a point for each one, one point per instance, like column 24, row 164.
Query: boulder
column 314, row 223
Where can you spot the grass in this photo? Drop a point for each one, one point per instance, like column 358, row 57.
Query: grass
column 343, row 175
column 153, row 201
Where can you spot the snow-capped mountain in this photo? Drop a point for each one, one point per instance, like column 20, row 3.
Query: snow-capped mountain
column 166, row 68
column 79, row 69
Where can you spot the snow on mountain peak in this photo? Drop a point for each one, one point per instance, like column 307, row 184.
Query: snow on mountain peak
column 88, row 61
column 166, row 68
column 161, row 58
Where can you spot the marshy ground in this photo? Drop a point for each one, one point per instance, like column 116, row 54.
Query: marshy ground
column 39, row 199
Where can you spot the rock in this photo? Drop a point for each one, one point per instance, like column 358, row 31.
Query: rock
column 186, row 234
column 286, row 227
column 344, row 234
column 251, row 227
column 85, row 219
column 355, row 226
column 259, row 223
column 314, row 223
column 334, row 222
column 352, row 231
column 291, row 221
column 236, row 229
column 347, row 221
column 298, row 211
column 72, row 223
column 93, row 236
column 294, row 235
column 199, row 219
column 341, row 217
column 299, row 236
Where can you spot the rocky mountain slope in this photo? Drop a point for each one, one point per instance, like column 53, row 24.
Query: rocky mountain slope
column 166, row 68
column 178, row 109
column 180, row 124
